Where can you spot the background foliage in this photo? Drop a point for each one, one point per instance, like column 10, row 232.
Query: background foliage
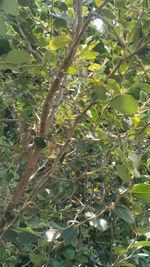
column 87, row 201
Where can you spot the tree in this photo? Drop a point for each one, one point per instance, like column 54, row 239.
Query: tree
column 74, row 132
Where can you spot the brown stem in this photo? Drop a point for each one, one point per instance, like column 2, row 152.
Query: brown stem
column 43, row 127
column 44, row 123
column 137, row 50
column 25, row 178
column 39, row 187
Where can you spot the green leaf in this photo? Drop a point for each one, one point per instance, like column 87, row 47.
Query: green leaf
column 24, row 2
column 125, row 104
column 141, row 244
column 98, row 2
column 89, row 55
column 9, row 6
column 2, row 26
column 93, row 67
column 124, row 213
column 10, row 235
column 100, row 91
column 59, row 41
column 40, row 142
column 136, row 87
column 3, row 253
column 69, row 234
column 60, row 23
column 113, row 85
column 119, row 250
column 69, row 254
column 141, row 192
column 4, row 46
column 125, row 264
column 123, row 173
column 108, row 13
column 141, row 230
column 37, row 259
column 50, row 57
column 18, row 57
column 56, row 263
column 82, row 259
column 6, row 176
column 61, row 6
column 71, row 70
column 27, row 238
column 135, row 158
column 146, row 27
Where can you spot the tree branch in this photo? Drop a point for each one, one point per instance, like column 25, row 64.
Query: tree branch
column 110, row 26
column 79, row 19
column 35, row 53
column 123, row 44
column 103, row 4
column 137, row 50
column 46, row 119
column 39, row 187
column 9, row 120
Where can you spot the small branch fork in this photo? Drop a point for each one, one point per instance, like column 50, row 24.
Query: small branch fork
column 39, row 187
column 34, row 52
column 122, row 43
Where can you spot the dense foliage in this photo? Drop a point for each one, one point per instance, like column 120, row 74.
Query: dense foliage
column 74, row 133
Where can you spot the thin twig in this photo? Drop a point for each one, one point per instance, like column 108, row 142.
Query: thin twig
column 9, row 120
column 39, row 187
column 35, row 53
